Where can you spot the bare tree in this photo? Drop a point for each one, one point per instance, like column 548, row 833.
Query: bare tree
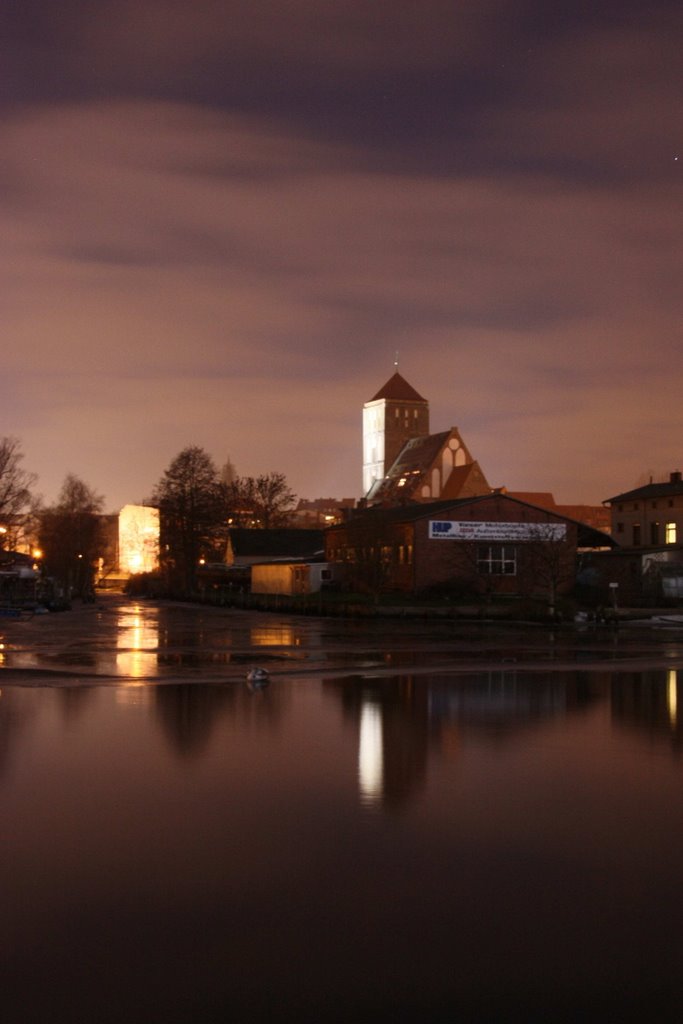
column 15, row 491
column 275, row 500
column 550, row 560
column 264, row 501
column 192, row 516
column 71, row 535
column 241, row 502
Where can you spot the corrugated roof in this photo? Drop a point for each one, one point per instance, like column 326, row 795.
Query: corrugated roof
column 397, row 389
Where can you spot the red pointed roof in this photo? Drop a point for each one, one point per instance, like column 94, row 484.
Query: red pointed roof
column 397, row 389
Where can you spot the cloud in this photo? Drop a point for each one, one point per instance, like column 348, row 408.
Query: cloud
column 238, row 271
column 350, row 36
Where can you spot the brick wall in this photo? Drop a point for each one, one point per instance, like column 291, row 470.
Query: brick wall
column 449, row 562
column 442, row 561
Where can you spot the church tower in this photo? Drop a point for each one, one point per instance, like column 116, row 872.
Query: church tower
column 396, row 414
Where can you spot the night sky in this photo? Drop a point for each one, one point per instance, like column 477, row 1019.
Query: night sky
column 221, row 220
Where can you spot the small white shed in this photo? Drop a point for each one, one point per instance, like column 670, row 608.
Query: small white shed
column 292, row 577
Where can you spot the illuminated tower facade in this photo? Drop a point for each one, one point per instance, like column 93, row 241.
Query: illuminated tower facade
column 396, row 414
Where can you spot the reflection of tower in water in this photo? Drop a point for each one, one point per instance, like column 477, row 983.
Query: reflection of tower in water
column 391, row 716
column 370, row 753
column 399, row 719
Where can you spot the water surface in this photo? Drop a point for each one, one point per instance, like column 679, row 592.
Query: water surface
column 434, row 821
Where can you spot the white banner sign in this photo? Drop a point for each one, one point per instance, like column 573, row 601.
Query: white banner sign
column 447, row 529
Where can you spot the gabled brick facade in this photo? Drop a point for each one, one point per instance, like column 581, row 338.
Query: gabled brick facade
column 522, row 549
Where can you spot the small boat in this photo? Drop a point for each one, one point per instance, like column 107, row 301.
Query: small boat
column 257, row 678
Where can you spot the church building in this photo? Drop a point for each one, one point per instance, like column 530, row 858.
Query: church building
column 403, row 462
column 396, row 414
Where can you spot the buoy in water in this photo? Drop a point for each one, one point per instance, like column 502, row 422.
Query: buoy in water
column 257, row 678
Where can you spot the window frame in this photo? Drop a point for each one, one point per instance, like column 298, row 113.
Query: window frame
column 497, row 559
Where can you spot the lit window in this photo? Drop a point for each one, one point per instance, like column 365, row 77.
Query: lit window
column 670, row 533
column 497, row 560
column 402, row 482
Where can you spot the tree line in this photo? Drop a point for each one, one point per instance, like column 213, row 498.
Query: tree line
column 197, row 509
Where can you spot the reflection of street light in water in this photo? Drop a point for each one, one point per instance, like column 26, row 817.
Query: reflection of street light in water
column 137, row 644
column 274, row 636
column 370, row 754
